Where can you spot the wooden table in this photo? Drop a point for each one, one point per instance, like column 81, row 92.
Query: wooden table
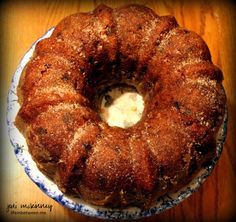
column 22, row 22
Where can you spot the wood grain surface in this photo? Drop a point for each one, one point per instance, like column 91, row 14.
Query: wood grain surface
column 22, row 22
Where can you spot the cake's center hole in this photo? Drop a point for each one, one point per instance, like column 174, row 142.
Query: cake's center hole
column 121, row 106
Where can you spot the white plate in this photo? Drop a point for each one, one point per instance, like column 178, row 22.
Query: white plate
column 50, row 188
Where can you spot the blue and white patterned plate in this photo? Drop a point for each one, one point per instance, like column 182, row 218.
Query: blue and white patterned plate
column 50, row 188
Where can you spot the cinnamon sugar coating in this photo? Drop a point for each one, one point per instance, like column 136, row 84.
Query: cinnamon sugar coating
column 169, row 66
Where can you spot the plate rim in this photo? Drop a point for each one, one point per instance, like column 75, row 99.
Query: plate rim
column 82, row 207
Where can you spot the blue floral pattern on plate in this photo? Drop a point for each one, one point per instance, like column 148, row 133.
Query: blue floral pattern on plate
column 50, row 188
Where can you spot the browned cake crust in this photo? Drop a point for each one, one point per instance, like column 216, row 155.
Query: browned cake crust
column 171, row 68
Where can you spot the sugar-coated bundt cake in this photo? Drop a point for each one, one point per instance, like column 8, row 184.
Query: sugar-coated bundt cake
column 169, row 66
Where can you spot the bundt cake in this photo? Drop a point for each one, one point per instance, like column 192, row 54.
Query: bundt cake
column 168, row 65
